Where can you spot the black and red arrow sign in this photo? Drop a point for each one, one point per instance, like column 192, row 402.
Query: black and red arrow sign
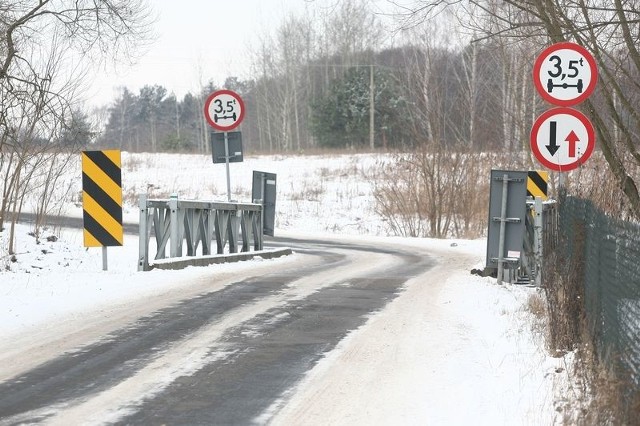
column 562, row 139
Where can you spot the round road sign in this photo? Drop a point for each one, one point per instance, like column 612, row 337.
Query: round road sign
column 565, row 74
column 224, row 110
column 562, row 139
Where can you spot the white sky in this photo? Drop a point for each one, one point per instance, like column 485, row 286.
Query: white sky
column 198, row 41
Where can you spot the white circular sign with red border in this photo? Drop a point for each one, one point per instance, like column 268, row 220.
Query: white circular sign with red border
column 562, row 139
column 224, row 110
column 565, row 74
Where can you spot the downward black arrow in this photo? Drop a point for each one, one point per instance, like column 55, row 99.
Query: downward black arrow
column 553, row 147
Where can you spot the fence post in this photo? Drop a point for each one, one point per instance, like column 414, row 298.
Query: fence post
column 174, row 226
column 503, row 217
column 538, row 240
column 143, row 240
column 234, row 224
column 221, row 223
column 258, row 229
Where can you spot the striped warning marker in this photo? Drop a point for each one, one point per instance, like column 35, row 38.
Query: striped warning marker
column 537, row 184
column 102, row 198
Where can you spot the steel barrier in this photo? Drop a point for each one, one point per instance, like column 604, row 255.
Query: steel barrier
column 541, row 234
column 195, row 225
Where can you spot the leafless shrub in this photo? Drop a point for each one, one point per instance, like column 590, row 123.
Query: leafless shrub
column 351, row 169
column 240, row 193
column 536, row 305
column 309, row 191
column 601, row 394
column 131, row 163
column 311, row 188
column 434, row 192
column 40, row 80
column 51, row 189
column 396, row 198
column 131, row 195
column 565, row 302
column 324, row 172
column 595, row 181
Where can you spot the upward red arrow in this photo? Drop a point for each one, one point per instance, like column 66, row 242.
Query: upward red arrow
column 573, row 139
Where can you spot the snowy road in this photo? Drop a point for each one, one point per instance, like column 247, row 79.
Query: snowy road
column 229, row 354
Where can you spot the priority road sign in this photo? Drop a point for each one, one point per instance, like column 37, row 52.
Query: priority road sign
column 224, row 110
column 565, row 74
column 562, row 139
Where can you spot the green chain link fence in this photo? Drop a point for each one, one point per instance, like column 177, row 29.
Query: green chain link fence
column 605, row 252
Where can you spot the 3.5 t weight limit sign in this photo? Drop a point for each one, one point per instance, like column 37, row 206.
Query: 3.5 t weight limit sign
column 562, row 139
column 224, row 110
column 565, row 74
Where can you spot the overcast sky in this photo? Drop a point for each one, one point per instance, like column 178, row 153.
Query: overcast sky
column 199, row 40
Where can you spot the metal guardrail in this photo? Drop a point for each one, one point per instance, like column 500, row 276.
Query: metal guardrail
column 195, row 225
column 541, row 234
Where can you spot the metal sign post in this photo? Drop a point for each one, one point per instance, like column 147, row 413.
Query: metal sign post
column 105, row 265
column 224, row 111
column 538, row 240
column 226, row 147
column 503, row 222
column 226, row 162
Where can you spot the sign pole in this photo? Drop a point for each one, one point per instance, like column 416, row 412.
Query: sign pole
column 503, row 223
column 226, row 161
column 224, row 111
column 538, row 247
column 104, row 258
column 263, row 181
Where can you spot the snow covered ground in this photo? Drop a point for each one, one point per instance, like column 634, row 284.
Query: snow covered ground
column 472, row 355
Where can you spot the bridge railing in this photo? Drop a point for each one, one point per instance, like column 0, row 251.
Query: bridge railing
column 188, row 227
column 541, row 233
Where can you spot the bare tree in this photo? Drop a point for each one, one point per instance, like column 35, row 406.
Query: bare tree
column 297, row 63
column 608, row 29
column 352, row 30
column 41, row 44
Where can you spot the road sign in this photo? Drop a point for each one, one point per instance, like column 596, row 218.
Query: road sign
column 562, row 139
column 507, row 210
column 233, row 147
column 565, row 74
column 263, row 190
column 102, row 198
column 537, row 183
column 224, row 110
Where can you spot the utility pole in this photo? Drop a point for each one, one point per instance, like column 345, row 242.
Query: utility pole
column 371, row 108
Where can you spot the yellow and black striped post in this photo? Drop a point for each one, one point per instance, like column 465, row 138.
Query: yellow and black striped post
column 102, row 199
column 537, row 184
